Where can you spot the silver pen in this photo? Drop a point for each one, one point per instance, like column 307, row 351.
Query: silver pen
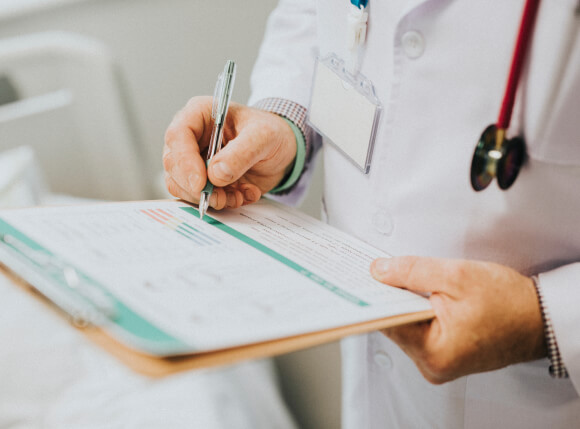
column 221, row 101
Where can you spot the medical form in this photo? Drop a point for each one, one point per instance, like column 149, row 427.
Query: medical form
column 179, row 285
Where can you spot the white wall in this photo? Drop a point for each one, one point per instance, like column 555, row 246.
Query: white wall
column 168, row 51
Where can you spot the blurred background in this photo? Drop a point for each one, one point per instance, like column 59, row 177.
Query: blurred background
column 87, row 89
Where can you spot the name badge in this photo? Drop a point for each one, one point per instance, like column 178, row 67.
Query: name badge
column 345, row 110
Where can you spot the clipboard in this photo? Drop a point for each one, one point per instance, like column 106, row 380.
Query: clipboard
column 159, row 365
column 154, row 366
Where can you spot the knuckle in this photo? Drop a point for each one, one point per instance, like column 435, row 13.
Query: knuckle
column 172, row 187
column 171, row 134
column 194, row 106
column 407, row 266
column 168, row 161
column 198, row 105
column 180, row 166
column 193, row 102
column 456, row 271
column 190, row 104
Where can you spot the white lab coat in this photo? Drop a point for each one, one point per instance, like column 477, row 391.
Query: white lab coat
column 440, row 87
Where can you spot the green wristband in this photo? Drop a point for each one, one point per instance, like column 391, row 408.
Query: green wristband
column 298, row 162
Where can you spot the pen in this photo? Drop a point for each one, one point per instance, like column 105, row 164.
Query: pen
column 221, row 102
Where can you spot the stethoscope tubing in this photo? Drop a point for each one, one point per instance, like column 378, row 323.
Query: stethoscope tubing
column 522, row 47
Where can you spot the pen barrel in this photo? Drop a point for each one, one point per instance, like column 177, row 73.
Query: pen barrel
column 215, row 141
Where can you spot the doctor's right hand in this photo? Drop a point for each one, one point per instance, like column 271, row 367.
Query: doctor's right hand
column 258, row 151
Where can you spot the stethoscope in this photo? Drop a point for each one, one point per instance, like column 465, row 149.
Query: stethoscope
column 494, row 155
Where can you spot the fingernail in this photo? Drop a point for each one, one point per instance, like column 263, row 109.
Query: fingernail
column 212, row 200
column 193, row 180
column 249, row 195
column 222, row 171
column 381, row 265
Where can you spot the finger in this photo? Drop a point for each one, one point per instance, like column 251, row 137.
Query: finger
column 181, row 153
column 186, row 169
column 194, row 120
column 416, row 340
column 423, row 343
column 234, row 197
column 251, row 193
column 411, row 338
column 177, row 191
column 420, row 274
column 217, row 199
column 238, row 156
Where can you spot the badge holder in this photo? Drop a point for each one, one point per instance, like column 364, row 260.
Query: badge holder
column 345, row 110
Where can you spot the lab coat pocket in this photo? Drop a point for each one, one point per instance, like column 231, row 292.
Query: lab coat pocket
column 551, row 91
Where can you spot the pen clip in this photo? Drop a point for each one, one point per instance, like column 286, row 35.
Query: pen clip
column 223, row 92
column 216, row 95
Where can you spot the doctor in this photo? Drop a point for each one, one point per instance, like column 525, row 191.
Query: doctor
column 502, row 266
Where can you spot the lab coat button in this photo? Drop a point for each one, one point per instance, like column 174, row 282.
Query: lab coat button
column 383, row 360
column 383, row 222
column 413, row 44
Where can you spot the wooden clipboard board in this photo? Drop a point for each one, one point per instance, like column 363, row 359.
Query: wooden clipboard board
column 154, row 366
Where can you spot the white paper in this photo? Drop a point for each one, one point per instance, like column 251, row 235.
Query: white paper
column 211, row 289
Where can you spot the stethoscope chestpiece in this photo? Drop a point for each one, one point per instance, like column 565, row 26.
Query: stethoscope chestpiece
column 495, row 156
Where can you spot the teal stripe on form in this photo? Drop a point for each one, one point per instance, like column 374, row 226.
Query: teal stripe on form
column 125, row 318
column 281, row 258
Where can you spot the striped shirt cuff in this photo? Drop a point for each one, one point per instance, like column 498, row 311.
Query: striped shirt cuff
column 296, row 114
column 557, row 367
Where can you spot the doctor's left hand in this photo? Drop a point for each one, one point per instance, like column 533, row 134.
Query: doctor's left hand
column 487, row 316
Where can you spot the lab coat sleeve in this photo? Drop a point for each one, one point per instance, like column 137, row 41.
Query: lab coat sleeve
column 285, row 67
column 286, row 59
column 561, row 293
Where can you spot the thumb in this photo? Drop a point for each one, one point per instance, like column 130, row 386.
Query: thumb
column 237, row 157
column 415, row 273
